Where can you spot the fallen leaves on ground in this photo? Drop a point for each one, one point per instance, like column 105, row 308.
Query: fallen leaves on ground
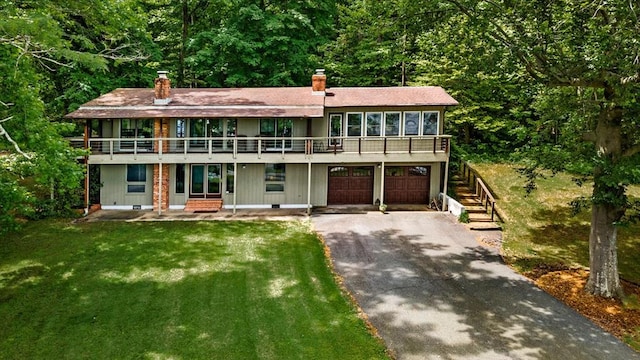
column 610, row 314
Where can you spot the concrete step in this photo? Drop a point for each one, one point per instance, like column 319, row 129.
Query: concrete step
column 203, row 205
column 485, row 226
column 475, row 209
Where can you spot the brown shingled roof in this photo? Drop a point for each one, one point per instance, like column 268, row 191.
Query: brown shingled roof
column 389, row 96
column 253, row 102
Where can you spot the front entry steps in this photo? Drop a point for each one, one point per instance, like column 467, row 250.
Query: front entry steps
column 479, row 217
column 203, row 205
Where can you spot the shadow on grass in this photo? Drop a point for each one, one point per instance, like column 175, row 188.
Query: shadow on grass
column 445, row 297
column 232, row 290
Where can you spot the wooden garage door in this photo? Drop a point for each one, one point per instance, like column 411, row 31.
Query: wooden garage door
column 407, row 184
column 350, row 185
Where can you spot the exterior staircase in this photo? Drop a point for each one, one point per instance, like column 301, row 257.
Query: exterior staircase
column 203, row 205
column 477, row 207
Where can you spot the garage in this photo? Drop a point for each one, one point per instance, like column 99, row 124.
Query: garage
column 407, row 184
column 350, row 185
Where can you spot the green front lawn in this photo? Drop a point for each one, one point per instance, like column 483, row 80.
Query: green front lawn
column 174, row 290
column 540, row 230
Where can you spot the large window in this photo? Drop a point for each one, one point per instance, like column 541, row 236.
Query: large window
column 136, row 129
column 411, row 123
column 391, row 124
column 430, row 123
column 280, row 128
column 374, row 123
column 354, row 124
column 274, row 177
column 335, row 129
column 136, row 178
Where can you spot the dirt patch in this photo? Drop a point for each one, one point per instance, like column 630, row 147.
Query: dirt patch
column 612, row 315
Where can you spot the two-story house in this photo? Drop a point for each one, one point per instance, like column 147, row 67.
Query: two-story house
column 194, row 149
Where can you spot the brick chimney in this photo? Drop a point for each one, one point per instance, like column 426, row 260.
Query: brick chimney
column 162, row 89
column 319, row 82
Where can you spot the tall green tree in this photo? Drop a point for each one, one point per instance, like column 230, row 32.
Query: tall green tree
column 494, row 92
column 593, row 48
column 377, row 40
column 42, row 42
column 262, row 43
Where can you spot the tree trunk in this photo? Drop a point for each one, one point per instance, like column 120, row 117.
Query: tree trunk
column 183, row 41
column 603, row 258
column 609, row 204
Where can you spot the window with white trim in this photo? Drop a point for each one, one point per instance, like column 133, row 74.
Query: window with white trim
column 354, row 124
column 374, row 124
column 392, row 123
column 411, row 123
column 430, row 123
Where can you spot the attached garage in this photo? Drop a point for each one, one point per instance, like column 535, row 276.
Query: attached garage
column 350, row 185
column 407, row 184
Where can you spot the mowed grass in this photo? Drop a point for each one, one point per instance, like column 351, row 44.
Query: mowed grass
column 174, row 290
column 539, row 228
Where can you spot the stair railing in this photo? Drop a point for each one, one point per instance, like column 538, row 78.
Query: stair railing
column 486, row 198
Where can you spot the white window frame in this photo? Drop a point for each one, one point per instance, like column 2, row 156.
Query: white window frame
column 400, row 120
column 348, row 126
column 380, row 122
column 332, row 138
column 404, row 123
column 424, row 120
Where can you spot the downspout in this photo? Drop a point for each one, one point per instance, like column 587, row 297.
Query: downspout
column 382, row 183
column 445, row 199
column 86, row 162
column 309, row 188
column 235, row 185
column 160, row 188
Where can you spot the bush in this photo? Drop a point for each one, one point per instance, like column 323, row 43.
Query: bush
column 464, row 217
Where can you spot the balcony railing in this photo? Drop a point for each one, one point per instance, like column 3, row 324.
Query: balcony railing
column 258, row 145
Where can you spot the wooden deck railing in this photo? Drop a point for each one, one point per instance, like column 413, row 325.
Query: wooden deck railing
column 474, row 180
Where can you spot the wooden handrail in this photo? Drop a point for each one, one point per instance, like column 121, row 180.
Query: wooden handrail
column 482, row 191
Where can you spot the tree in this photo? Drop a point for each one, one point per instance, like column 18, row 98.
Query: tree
column 494, row 92
column 377, row 40
column 41, row 43
column 593, row 48
column 262, row 43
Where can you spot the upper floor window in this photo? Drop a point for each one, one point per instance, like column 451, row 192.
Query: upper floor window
column 354, row 124
column 280, row 128
column 430, row 123
column 391, row 123
column 374, row 123
column 180, row 128
column 411, row 123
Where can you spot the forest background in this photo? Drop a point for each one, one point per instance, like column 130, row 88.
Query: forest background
column 547, row 84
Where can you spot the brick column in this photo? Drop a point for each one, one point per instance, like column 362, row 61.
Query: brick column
column 161, row 130
column 162, row 185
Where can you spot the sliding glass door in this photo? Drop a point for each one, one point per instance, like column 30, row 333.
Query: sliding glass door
column 206, row 180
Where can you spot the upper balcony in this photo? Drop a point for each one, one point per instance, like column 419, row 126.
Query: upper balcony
column 271, row 149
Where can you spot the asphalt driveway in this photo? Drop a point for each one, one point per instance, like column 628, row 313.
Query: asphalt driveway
column 433, row 292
